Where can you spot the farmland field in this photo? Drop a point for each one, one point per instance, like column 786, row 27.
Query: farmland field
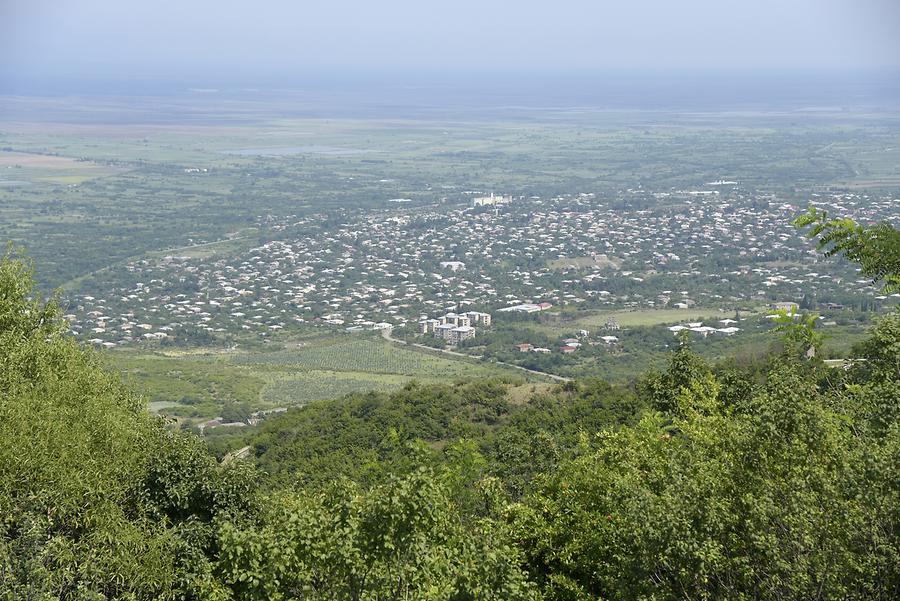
column 194, row 386
column 568, row 323
column 185, row 379
column 370, row 356
column 651, row 317
column 298, row 388
column 50, row 169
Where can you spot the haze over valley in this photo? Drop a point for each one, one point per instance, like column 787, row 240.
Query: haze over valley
column 532, row 302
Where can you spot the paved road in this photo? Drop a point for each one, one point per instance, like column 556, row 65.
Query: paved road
column 386, row 334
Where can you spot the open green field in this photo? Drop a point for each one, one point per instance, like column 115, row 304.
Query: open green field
column 196, row 385
column 50, row 169
column 301, row 387
column 652, row 317
column 188, row 380
column 365, row 355
column 568, row 323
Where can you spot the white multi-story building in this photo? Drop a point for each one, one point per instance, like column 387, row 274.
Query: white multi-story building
column 427, row 326
column 477, row 318
column 460, row 333
column 443, row 331
column 454, row 327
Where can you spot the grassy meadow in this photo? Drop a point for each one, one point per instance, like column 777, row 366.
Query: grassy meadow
column 194, row 386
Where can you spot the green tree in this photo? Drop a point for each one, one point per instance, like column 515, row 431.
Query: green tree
column 875, row 248
column 688, row 384
column 399, row 540
column 782, row 500
column 97, row 498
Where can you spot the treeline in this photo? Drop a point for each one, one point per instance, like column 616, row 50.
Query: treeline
column 368, row 437
column 775, row 480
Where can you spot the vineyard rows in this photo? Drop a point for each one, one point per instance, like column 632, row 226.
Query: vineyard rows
column 368, row 356
column 302, row 387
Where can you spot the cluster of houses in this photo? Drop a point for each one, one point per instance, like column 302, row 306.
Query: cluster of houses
column 384, row 268
column 569, row 345
column 726, row 328
column 453, row 327
column 527, row 347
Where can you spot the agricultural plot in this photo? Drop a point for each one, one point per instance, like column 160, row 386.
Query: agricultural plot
column 298, row 388
column 568, row 323
column 369, row 356
column 197, row 387
column 165, row 381
column 40, row 168
column 652, row 317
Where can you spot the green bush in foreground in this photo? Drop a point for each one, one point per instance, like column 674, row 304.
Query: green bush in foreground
column 97, row 498
column 399, row 540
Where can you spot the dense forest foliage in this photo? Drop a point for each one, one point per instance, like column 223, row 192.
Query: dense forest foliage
column 367, row 437
column 767, row 480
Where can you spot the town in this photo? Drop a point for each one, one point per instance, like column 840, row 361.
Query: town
column 720, row 246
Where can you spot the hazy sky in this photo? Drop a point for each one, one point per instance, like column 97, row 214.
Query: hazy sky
column 251, row 39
